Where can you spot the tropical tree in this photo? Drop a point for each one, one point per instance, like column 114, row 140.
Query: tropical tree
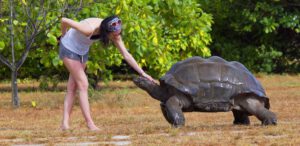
column 157, row 33
column 25, row 22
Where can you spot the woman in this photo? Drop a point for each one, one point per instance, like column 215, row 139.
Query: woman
column 74, row 47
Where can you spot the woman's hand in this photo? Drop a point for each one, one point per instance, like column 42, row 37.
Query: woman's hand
column 148, row 77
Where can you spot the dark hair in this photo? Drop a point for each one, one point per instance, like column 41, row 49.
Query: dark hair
column 103, row 30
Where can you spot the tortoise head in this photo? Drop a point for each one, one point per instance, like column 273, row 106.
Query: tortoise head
column 154, row 90
column 144, row 83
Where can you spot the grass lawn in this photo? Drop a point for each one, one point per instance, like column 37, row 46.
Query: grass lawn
column 129, row 116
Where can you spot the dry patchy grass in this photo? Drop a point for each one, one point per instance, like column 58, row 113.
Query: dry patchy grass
column 120, row 108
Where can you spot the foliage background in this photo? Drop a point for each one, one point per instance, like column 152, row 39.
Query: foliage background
column 157, row 33
column 263, row 35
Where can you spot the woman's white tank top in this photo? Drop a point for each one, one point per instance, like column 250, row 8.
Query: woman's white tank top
column 77, row 42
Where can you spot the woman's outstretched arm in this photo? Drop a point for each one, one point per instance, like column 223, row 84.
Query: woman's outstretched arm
column 129, row 59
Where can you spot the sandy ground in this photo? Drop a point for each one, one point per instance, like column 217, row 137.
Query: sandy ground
column 129, row 116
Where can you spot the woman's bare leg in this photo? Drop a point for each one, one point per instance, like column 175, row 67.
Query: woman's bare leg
column 68, row 103
column 76, row 70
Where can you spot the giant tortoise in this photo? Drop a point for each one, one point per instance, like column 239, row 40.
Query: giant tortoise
column 209, row 85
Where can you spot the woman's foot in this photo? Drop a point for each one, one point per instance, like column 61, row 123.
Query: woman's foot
column 93, row 127
column 64, row 127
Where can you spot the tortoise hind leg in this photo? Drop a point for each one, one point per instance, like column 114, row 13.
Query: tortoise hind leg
column 268, row 117
column 240, row 117
column 172, row 111
column 256, row 107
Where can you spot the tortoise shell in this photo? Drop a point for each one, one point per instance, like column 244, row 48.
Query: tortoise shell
column 213, row 81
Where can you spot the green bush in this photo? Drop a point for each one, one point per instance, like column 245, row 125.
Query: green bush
column 157, row 34
column 263, row 35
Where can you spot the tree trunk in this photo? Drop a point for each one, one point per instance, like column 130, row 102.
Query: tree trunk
column 14, row 86
column 14, row 69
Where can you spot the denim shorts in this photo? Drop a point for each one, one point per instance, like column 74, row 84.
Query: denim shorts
column 64, row 52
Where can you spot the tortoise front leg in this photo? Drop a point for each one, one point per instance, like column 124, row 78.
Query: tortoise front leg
column 172, row 111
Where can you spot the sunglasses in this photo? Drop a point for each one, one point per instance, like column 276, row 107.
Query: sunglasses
column 119, row 22
column 115, row 24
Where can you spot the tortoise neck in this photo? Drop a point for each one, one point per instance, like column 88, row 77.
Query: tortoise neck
column 158, row 92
